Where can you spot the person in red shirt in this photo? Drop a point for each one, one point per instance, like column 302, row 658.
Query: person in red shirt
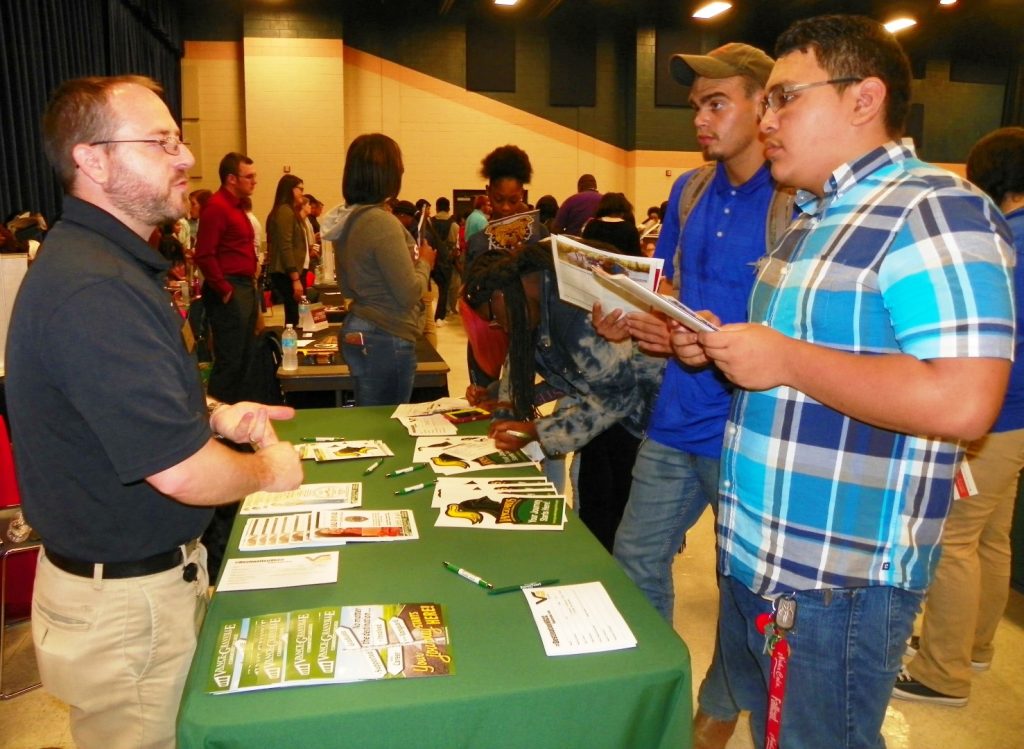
column 225, row 253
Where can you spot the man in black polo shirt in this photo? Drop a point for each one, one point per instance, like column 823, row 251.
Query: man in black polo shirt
column 115, row 449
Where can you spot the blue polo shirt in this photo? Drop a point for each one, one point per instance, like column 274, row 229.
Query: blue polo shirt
column 723, row 238
column 1012, row 414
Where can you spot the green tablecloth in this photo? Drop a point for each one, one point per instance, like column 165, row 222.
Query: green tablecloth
column 505, row 691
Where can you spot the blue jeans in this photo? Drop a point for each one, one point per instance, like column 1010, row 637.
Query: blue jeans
column 846, row 649
column 383, row 367
column 670, row 490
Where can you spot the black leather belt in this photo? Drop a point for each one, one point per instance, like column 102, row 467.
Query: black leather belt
column 119, row 570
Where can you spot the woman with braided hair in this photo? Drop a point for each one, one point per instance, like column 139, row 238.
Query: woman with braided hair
column 603, row 388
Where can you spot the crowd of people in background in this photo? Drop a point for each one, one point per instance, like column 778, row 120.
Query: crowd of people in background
column 810, row 241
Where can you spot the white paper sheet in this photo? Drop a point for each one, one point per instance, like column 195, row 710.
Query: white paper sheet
column 292, row 571
column 574, row 619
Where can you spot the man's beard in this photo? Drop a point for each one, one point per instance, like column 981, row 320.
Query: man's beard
column 143, row 200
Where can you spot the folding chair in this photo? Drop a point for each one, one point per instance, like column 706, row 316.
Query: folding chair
column 21, row 572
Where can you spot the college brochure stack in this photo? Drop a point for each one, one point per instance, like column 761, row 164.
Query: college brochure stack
column 308, row 497
column 326, row 528
column 331, row 645
column 451, row 455
column 502, row 503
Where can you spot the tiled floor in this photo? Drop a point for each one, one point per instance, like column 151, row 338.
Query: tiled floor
column 993, row 719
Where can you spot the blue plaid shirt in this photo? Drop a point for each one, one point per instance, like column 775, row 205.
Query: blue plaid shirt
column 897, row 257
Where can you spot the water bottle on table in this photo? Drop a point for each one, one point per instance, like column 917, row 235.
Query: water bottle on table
column 289, row 348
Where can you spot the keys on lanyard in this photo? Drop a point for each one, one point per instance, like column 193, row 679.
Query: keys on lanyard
column 775, row 626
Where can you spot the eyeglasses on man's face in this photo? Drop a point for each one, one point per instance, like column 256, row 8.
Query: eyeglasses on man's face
column 779, row 96
column 171, row 144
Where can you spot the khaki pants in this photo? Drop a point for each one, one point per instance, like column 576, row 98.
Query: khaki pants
column 972, row 581
column 118, row 651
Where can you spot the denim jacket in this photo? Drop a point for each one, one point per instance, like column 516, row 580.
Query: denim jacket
column 602, row 383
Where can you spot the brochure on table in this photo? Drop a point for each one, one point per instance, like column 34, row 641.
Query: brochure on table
column 428, row 426
column 331, row 645
column 457, row 454
column 326, row 528
column 575, row 619
column 323, row 452
column 439, row 406
column 307, row 498
column 285, row 571
column 577, row 283
column 452, row 490
column 424, row 419
column 520, row 512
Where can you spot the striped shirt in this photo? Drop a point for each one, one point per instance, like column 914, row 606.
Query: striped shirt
column 897, row 257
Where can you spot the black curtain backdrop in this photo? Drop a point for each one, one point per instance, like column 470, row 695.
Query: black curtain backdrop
column 49, row 41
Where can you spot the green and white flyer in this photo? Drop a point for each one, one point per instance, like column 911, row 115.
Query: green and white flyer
column 331, row 645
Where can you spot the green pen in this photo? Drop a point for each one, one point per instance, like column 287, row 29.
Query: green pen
column 373, row 467
column 407, row 469
column 523, row 586
column 467, row 574
column 321, row 439
column 415, row 488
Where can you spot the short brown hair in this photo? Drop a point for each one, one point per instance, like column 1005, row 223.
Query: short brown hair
column 79, row 112
column 373, row 170
column 230, row 163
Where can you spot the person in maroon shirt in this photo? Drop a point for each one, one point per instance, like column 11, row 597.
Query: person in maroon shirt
column 226, row 254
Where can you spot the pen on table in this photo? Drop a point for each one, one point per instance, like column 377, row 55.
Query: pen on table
column 467, row 574
column 415, row 488
column 523, row 586
column 407, row 469
column 321, row 439
column 519, row 435
column 373, row 467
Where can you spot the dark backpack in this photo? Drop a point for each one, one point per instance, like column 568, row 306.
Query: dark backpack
column 440, row 229
column 261, row 384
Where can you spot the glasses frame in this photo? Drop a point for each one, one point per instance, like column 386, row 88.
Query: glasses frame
column 171, row 144
column 778, row 93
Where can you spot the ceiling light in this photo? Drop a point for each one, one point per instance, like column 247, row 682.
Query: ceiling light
column 898, row 24
column 947, row 2
column 506, row 2
column 711, row 10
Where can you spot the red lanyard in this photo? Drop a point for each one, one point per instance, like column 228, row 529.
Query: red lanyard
column 774, row 627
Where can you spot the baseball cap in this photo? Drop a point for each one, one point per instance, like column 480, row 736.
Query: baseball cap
column 724, row 62
column 404, row 206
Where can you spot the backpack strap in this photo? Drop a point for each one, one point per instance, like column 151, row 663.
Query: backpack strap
column 780, row 215
column 693, row 191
